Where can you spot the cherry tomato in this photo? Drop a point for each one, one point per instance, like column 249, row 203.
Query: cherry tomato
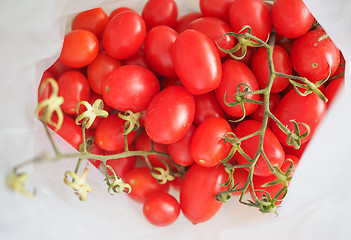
column 93, row 20
column 118, row 33
column 160, row 12
column 158, row 50
column 240, row 176
column 120, row 165
column 170, row 115
column 74, row 88
column 119, row 10
column 206, row 106
column 333, row 88
column 208, row 147
column 215, row 8
column 143, row 184
column 296, row 23
column 102, row 65
column 254, row 13
column 271, row 146
column 108, row 134
column 183, row 22
column 248, row 56
column 274, row 100
column 314, row 55
column 214, row 28
column 180, row 151
column 140, row 59
column 80, row 48
column 281, row 61
column 58, row 68
column 161, row 209
column 130, row 87
column 235, row 73
column 290, row 108
column 198, row 190
column 196, row 62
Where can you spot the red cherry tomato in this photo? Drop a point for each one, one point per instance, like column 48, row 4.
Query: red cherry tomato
column 314, row 55
column 93, row 20
column 281, row 61
column 143, row 184
column 170, row 115
column 290, row 108
column 254, row 13
column 235, row 73
column 296, row 23
column 80, row 48
column 196, row 62
column 58, row 68
column 102, row 65
column 74, row 88
column 214, row 28
column 271, row 146
column 140, row 59
column 274, row 100
column 208, row 147
column 333, row 88
column 158, row 50
column 118, row 33
column 160, row 12
column 183, row 22
column 161, row 209
column 108, row 134
column 119, row 10
column 130, row 87
column 248, row 56
column 120, row 165
column 240, row 176
column 198, row 190
column 215, row 8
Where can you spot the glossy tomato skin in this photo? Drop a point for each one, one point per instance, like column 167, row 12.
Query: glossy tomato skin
column 215, row 28
column 183, row 22
column 143, row 184
column 215, row 8
column 80, row 48
column 254, row 13
column 161, row 209
column 296, row 23
column 102, row 65
column 290, row 107
column 196, row 62
column 235, row 73
column 130, row 87
column 208, row 147
column 271, row 146
column 74, row 88
column 93, row 20
column 333, row 88
column 119, row 31
column 119, row 10
column 158, row 50
column 170, row 115
column 281, row 61
column 313, row 55
column 108, row 134
column 160, row 12
column 198, row 190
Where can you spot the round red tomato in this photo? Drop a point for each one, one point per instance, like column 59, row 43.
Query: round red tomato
column 197, row 62
column 208, row 147
column 119, row 31
column 333, row 88
column 215, row 8
column 271, row 146
column 143, row 184
column 160, row 12
column 80, row 48
column 235, row 73
column 254, row 13
column 74, row 88
column 291, row 18
column 130, row 87
column 158, row 50
column 170, row 115
column 240, row 176
column 197, row 193
column 161, row 209
column 314, row 55
column 309, row 110
column 281, row 61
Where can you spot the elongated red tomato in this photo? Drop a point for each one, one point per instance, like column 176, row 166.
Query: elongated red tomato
column 170, row 115
column 196, row 62
column 290, row 108
column 216, row 8
column 160, row 12
column 198, row 190
column 235, row 73
column 271, row 146
column 208, row 147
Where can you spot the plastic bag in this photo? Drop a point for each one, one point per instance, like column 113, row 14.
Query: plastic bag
column 317, row 206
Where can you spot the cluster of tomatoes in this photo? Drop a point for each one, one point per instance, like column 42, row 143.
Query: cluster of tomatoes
column 171, row 69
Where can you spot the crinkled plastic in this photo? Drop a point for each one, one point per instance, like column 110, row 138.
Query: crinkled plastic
column 317, row 205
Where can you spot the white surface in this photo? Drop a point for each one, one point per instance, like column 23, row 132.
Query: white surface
column 317, row 206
